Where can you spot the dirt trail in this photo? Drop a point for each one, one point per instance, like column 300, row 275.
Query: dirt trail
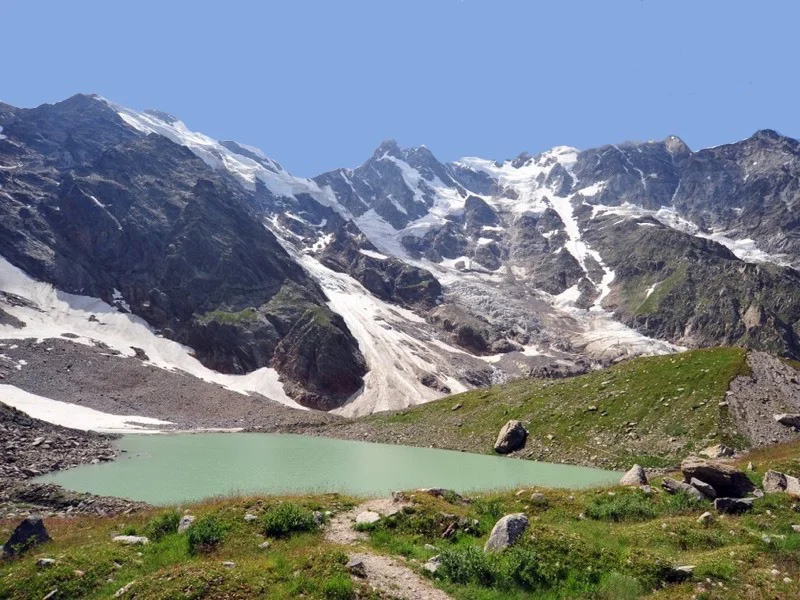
column 387, row 575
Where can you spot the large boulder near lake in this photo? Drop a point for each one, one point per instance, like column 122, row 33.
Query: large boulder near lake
column 673, row 486
column 726, row 479
column 775, row 481
column 511, row 437
column 506, row 532
column 30, row 532
column 634, row 477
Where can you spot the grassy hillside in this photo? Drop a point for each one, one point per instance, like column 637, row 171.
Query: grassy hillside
column 648, row 410
column 601, row 544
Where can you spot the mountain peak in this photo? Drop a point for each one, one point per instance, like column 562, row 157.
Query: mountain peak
column 676, row 145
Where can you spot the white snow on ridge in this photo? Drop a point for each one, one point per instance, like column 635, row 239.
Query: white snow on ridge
column 74, row 416
column 2, row 137
column 744, row 249
column 373, row 254
column 217, row 156
column 60, row 312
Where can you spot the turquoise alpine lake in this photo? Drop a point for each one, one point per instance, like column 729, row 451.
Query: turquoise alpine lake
column 175, row 468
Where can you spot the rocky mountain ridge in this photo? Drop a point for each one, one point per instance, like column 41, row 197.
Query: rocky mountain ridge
column 404, row 278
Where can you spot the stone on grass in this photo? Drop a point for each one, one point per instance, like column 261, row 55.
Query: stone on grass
column 733, row 506
column 775, row 481
column 229, row 564
column 506, row 532
column 539, row 499
column 678, row 574
column 264, row 545
column 717, row 451
column 367, row 517
column 705, row 489
column 706, row 518
column 124, row 590
column 673, row 486
column 433, row 564
column 131, row 540
column 185, row 522
column 29, row 533
column 634, row 477
column 512, row 437
column 356, row 567
column 726, row 479
column 250, row 518
column 43, row 563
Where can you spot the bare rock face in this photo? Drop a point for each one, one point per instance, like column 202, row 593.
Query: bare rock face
column 506, row 532
column 511, row 437
column 726, row 479
column 634, row 477
column 29, row 533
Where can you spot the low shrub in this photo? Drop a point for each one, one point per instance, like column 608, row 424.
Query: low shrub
column 163, row 525
column 285, row 519
column 205, row 535
column 468, row 564
column 129, row 530
column 338, row 587
column 622, row 507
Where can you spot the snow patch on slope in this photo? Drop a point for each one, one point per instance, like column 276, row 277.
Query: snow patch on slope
column 74, row 416
column 396, row 359
column 57, row 313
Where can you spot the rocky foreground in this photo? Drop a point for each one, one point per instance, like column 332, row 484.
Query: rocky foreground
column 30, row 448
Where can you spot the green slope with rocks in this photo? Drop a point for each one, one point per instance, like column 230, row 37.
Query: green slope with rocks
column 653, row 411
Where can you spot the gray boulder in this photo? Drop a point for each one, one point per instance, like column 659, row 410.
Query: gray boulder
column 705, row 489
column 634, row 477
column 506, row 532
column 511, row 437
column 357, row 567
column 433, row 564
column 775, row 481
column 673, row 486
column 29, row 533
column 733, row 506
column 367, row 517
column 726, row 479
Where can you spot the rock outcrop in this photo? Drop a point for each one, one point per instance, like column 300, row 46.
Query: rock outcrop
column 726, row 479
column 29, row 533
column 506, row 532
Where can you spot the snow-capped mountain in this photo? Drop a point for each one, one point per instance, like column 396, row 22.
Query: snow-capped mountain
column 405, row 278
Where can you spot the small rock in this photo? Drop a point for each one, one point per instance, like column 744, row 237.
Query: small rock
column 673, row 486
column 703, row 487
column 750, row 467
column 706, row 518
column 733, row 505
column 51, row 594
column 264, row 545
column 319, row 518
column 634, row 477
column 678, row 574
column 457, row 406
column 367, row 517
column 124, row 590
column 250, row 518
column 539, row 499
column 356, row 567
column 431, row 548
column 432, row 565
column 185, row 522
column 796, row 528
column 506, row 532
column 788, row 419
column 229, row 564
column 45, row 562
column 787, row 580
column 717, row 451
column 131, row 540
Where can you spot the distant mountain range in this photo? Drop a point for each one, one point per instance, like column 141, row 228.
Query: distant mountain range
column 405, row 278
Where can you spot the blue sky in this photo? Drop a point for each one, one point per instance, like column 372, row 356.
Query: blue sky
column 318, row 85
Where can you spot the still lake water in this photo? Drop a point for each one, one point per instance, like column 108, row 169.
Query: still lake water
column 170, row 469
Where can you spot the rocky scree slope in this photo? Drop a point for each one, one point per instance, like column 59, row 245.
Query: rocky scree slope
column 395, row 282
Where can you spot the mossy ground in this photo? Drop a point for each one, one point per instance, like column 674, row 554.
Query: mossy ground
column 229, row 318
column 653, row 411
